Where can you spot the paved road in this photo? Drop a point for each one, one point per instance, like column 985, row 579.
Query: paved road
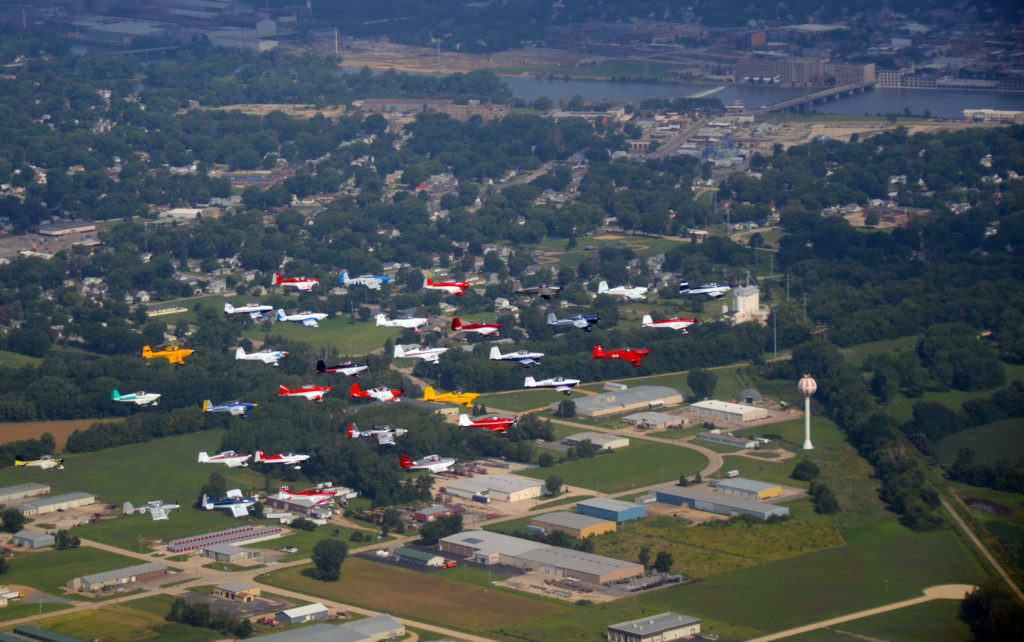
column 984, row 551
column 941, row 592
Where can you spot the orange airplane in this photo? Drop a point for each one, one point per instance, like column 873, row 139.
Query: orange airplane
column 174, row 354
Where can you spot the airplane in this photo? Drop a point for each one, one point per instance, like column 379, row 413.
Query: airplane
column 430, row 355
column 348, row 368
column 266, row 356
column 626, row 354
column 385, row 434
column 156, row 508
column 713, row 290
column 369, row 280
column 229, row 457
column 675, row 323
column 492, row 423
column 288, row 459
column 521, row 356
column 309, row 391
column 413, row 323
column 305, row 317
column 322, row 494
column 462, row 398
column 546, row 291
column 560, row 384
column 379, row 394
column 234, row 408
column 45, row 462
column 485, row 329
column 140, row 398
column 578, row 321
column 254, row 310
column 624, row 291
column 451, row 287
column 174, row 354
column 301, row 282
column 433, row 463
column 234, row 501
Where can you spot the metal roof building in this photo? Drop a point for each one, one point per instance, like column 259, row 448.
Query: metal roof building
column 20, row 491
column 314, row 611
column 628, row 400
column 573, row 524
column 505, row 488
column 98, row 581
column 716, row 502
column 32, row 539
column 715, row 409
column 418, row 557
column 664, row 626
column 599, row 440
column 240, row 534
column 52, row 504
column 370, row 629
column 654, row 420
column 746, row 488
column 613, row 509
column 727, row 439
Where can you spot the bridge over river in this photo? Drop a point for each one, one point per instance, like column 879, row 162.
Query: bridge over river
column 802, row 102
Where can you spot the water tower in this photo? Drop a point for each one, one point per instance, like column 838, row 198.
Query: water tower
column 807, row 387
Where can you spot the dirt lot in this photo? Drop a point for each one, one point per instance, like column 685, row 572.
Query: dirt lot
column 60, row 430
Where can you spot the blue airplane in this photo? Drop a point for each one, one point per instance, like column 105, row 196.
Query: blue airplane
column 233, row 407
column 579, row 321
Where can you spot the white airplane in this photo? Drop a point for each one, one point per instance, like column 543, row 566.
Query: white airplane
column 140, row 398
column 228, row 457
column 382, row 393
column 156, row 509
column 309, row 391
column 625, row 291
column 713, row 290
column 288, row 459
column 451, row 287
column 45, row 462
column 254, row 310
column 579, row 321
column 675, row 323
column 233, row 501
column 385, row 434
column 266, row 356
column 301, row 283
column 369, row 280
column 306, row 317
column 349, row 368
column 430, row 355
column 558, row 383
column 413, row 323
column 433, row 463
column 520, row 356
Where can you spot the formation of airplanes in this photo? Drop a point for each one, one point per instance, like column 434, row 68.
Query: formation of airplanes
column 254, row 310
column 713, row 290
column 233, row 501
column 522, row 357
column 46, row 462
column 306, row 318
column 229, row 458
column 140, row 398
column 385, row 435
column 430, row 355
column 382, row 393
column 579, row 321
column 433, row 463
column 413, row 323
column 630, row 355
column 287, row 459
column 561, row 384
column 266, row 356
column 309, row 391
column 637, row 292
column 483, row 329
column 348, row 368
column 369, row 280
column 461, row 398
column 451, row 287
column 492, row 423
column 174, row 354
column 157, row 509
column 300, row 283
column 675, row 323
column 544, row 291
column 234, row 408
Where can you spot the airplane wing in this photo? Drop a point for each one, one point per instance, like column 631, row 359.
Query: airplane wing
column 158, row 513
column 311, row 323
column 580, row 323
column 529, row 362
column 431, row 358
column 385, row 438
column 373, row 284
column 236, row 410
column 234, row 463
column 563, row 388
column 239, row 510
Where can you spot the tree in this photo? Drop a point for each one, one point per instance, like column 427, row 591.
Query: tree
column 215, row 487
column 566, row 409
column 66, row 539
column 13, row 520
column 824, row 500
column 702, row 382
column 805, row 470
column 546, row 460
column 992, row 613
column 683, row 481
column 553, row 484
column 663, row 563
column 328, row 556
column 644, row 556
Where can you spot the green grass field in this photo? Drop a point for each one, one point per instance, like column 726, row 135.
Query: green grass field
column 523, row 400
column 348, row 338
column 934, row 621
column 991, row 442
column 304, row 541
column 49, row 571
column 15, row 360
column 141, row 619
column 642, row 463
column 19, row 609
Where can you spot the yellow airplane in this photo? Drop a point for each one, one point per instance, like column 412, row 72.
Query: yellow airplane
column 174, row 354
column 464, row 398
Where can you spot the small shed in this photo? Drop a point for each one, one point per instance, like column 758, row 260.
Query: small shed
column 32, row 539
column 314, row 611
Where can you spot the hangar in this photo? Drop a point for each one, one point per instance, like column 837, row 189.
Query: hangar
column 656, row 628
column 627, row 400
column 503, row 488
column 613, row 509
column 710, row 409
column 716, row 502
column 21, row 491
column 599, row 440
column 746, row 488
column 99, row 581
column 55, row 503
column 314, row 611
column 572, row 524
column 32, row 539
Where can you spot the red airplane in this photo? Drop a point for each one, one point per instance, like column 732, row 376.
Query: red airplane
column 321, row 494
column 379, row 394
column 300, row 282
column 626, row 354
column 311, row 392
column 492, row 423
column 675, row 323
column 486, row 329
column 451, row 287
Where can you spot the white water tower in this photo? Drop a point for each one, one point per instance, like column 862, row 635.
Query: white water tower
column 807, row 387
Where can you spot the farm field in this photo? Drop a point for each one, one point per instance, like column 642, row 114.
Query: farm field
column 427, row 597
column 60, row 429
column 934, row 621
column 21, row 608
column 1001, row 513
column 642, row 463
column 990, row 443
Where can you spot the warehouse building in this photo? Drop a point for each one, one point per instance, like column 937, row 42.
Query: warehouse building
column 712, row 502
column 657, row 628
column 55, row 503
column 100, row 581
column 599, row 440
column 746, row 488
column 613, row 509
column 430, row 514
column 247, row 534
column 727, row 439
column 314, row 507
column 485, row 547
column 237, row 591
column 502, row 488
column 572, row 524
column 370, row 629
column 406, row 554
column 21, row 491
column 654, row 421
column 227, row 553
column 711, row 409
column 32, row 539
column 628, row 400
column 314, row 611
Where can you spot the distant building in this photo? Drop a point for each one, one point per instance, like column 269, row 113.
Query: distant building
column 66, row 228
column 504, row 488
column 712, row 502
column 32, row 539
column 29, row 632
column 657, row 628
column 21, row 491
column 240, row 534
column 711, row 409
column 994, row 116
column 746, row 488
column 370, row 629
column 572, row 524
column 746, row 305
column 432, row 513
column 598, row 440
column 612, row 509
column 227, row 553
column 749, row 396
column 654, row 420
column 314, row 611
column 628, row 400
column 55, row 503
column 100, row 581
column 727, row 439
column 237, row 591
column 407, row 554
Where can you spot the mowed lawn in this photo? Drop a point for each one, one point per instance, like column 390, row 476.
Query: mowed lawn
column 127, row 621
column 642, row 463
column 50, row 570
column 435, row 597
column 934, row 621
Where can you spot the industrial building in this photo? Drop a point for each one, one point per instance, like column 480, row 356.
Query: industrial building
column 406, row 554
column 226, row 553
column 430, row 514
column 727, row 439
column 599, row 440
column 309, row 506
column 237, row 591
column 32, row 539
column 627, row 400
column 712, row 502
column 746, row 488
column 654, row 420
column 613, row 509
column 100, row 581
column 21, row 491
column 502, row 488
column 656, row 628
column 29, row 632
column 572, row 524
column 495, row 548
column 240, row 534
column 746, row 305
column 55, row 503
column 314, row 611
column 370, row 629
column 711, row 409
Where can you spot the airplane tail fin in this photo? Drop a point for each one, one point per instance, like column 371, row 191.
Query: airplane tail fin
column 495, row 353
column 428, row 394
column 115, row 395
column 277, row 278
column 321, row 367
column 207, row 405
column 280, row 315
column 382, row 319
column 405, row 462
column 205, row 502
column 203, row 457
column 399, row 351
column 464, row 420
column 353, row 430
column 282, row 390
column 456, row 324
column 529, row 382
column 598, row 351
column 427, row 282
column 147, row 351
column 344, row 276
column 647, row 320
column 258, row 457
column 354, row 390
column 239, row 353
column 684, row 286
column 19, row 463
column 127, row 509
column 602, row 287
column 552, row 319
column 228, row 307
